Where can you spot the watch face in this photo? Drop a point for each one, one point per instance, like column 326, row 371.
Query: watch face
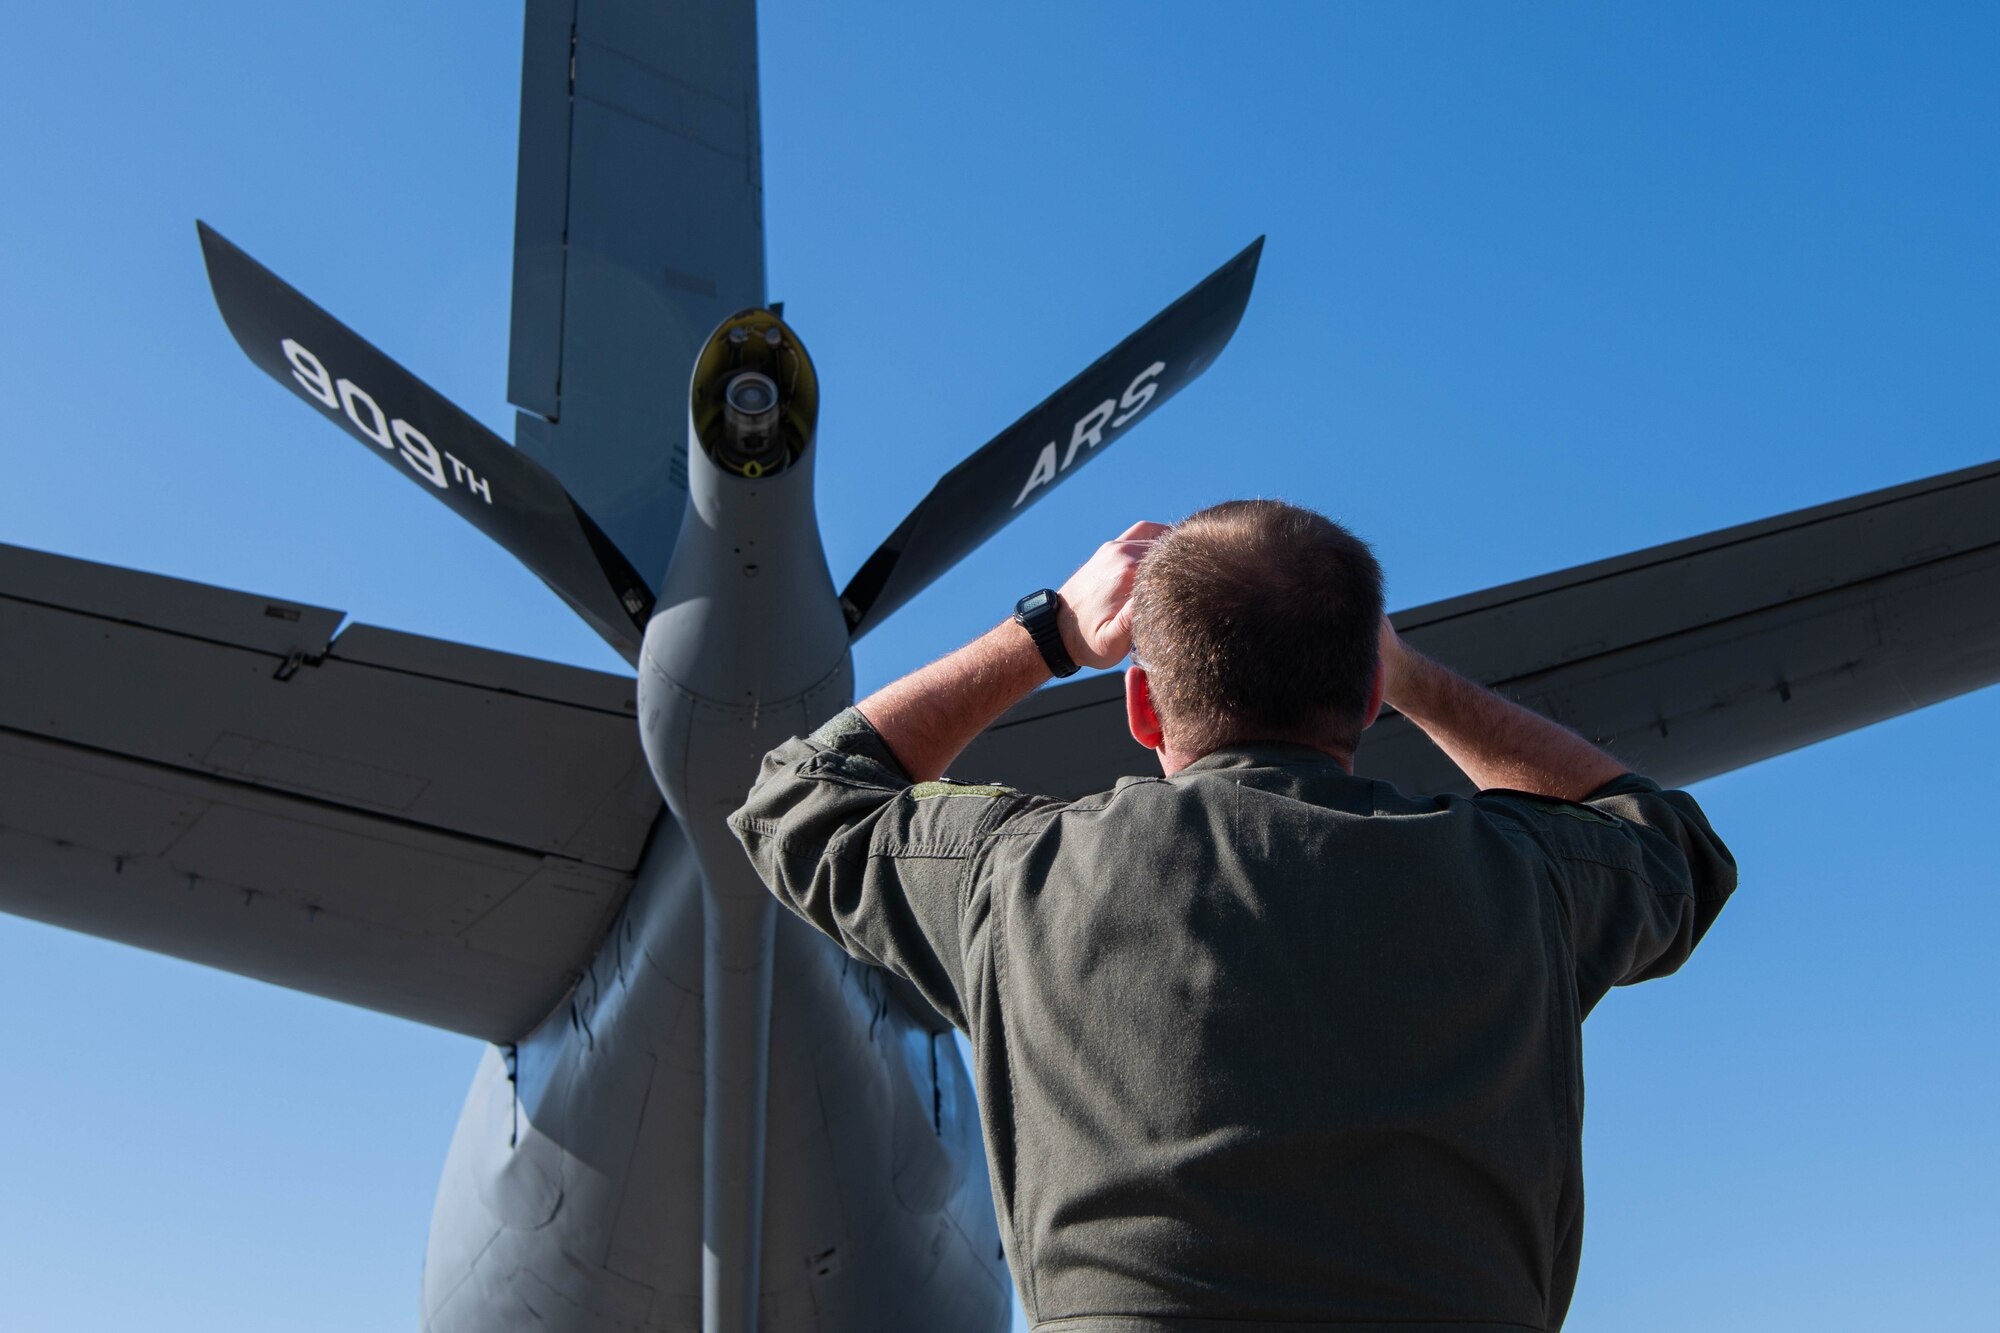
column 1034, row 603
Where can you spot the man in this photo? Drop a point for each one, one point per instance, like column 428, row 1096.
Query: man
column 1260, row 1045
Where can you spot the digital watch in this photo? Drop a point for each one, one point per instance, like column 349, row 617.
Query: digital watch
column 1036, row 613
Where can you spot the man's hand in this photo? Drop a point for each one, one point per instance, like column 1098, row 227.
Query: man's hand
column 930, row 715
column 1096, row 615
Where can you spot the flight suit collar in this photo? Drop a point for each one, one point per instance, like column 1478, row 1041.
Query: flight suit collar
column 1262, row 754
column 1288, row 769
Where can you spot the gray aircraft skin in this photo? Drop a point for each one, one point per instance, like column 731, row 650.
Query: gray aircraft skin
column 694, row 1112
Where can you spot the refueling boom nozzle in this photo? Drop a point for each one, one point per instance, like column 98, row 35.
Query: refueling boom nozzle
column 754, row 396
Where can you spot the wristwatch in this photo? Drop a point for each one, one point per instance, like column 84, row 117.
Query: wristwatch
column 1036, row 613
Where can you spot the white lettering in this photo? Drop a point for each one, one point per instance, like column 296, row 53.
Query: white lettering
column 376, row 427
column 310, row 374
column 1089, row 430
column 1138, row 393
column 425, row 458
column 1044, row 473
column 420, row 453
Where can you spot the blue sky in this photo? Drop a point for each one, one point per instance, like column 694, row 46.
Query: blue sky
column 1543, row 284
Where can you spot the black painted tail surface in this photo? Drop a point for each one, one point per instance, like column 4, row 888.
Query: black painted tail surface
column 1027, row 460
column 416, row 430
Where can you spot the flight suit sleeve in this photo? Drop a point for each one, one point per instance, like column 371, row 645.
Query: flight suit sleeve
column 881, row 866
column 1639, row 877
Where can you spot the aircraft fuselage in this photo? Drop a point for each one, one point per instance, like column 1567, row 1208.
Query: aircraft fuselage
column 724, row 1082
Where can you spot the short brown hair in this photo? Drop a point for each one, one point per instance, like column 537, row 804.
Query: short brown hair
column 1257, row 620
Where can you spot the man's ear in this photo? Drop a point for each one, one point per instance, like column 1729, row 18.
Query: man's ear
column 1375, row 691
column 1140, row 715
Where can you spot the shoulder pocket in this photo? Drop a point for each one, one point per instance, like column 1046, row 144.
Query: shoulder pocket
column 1554, row 805
column 849, row 770
column 1571, row 829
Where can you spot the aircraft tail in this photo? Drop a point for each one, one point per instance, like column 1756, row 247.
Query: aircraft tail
column 1023, row 463
column 638, row 227
column 416, row 430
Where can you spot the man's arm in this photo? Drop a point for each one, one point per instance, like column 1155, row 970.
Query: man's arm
column 1494, row 741
column 838, row 833
column 932, row 714
column 848, row 827
column 1641, row 879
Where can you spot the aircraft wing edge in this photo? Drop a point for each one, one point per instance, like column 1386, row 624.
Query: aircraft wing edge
column 263, row 927
column 427, row 829
column 1687, row 660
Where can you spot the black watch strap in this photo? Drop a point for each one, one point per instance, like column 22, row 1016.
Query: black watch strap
column 1036, row 613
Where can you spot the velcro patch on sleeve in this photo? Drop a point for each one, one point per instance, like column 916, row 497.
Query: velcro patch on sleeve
column 923, row 791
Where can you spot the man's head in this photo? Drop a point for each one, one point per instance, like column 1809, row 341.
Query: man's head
column 1255, row 620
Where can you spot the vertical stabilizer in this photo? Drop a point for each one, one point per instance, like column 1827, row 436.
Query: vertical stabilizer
column 639, row 225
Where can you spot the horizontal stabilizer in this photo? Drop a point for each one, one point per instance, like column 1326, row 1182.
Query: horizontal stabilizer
column 1026, row 461
column 422, row 828
column 410, row 426
column 1685, row 660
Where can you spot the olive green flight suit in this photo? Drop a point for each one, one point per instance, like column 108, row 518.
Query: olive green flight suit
column 1261, row 1046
